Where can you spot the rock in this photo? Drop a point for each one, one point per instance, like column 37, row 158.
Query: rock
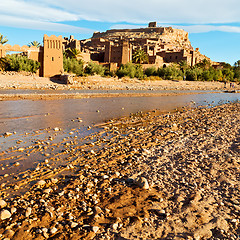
column 142, row 182
column 95, row 229
column 47, row 191
column 73, row 224
column 13, row 210
column 3, row 204
column 54, row 180
column 5, row 214
column 53, row 230
column 40, row 183
column 56, row 129
column 8, row 233
column 28, row 212
column 7, row 134
column 115, row 226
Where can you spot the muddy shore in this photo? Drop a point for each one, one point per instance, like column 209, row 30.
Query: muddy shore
column 147, row 176
column 14, row 80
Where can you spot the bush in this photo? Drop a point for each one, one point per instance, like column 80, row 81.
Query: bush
column 72, row 65
column 152, row 71
column 170, row 73
column 191, row 75
column 130, row 70
column 21, row 63
column 94, row 68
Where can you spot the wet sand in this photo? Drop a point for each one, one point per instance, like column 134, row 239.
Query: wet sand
column 147, row 176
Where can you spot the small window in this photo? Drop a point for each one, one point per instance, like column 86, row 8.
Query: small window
column 176, row 57
column 52, row 58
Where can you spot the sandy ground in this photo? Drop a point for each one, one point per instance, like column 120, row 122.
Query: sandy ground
column 19, row 81
column 148, row 176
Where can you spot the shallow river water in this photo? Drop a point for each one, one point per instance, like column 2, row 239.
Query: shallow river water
column 27, row 115
column 34, row 121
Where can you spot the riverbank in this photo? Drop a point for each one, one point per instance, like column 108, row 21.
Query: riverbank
column 13, row 80
column 147, row 176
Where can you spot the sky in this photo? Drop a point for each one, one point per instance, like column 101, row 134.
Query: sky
column 213, row 25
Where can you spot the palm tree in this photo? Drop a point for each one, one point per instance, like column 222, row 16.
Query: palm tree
column 34, row 44
column 3, row 40
column 139, row 56
column 74, row 53
column 3, row 63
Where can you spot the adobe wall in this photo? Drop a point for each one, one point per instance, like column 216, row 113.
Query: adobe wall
column 52, row 56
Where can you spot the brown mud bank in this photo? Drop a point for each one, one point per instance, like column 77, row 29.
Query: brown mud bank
column 14, row 80
column 147, row 176
column 53, row 96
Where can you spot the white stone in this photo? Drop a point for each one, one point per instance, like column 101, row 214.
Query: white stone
column 53, row 230
column 5, row 214
column 95, row 228
column 41, row 183
column 142, row 182
column 3, row 204
column 28, row 212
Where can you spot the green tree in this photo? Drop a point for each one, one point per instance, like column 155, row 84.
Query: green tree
column 3, row 40
column 205, row 64
column 73, row 53
column 3, row 64
column 34, row 44
column 139, row 56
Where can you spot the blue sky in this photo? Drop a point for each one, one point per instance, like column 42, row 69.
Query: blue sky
column 213, row 25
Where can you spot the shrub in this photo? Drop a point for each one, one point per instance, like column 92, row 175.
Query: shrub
column 152, row 71
column 131, row 70
column 21, row 63
column 94, row 68
column 170, row 72
column 191, row 75
column 72, row 65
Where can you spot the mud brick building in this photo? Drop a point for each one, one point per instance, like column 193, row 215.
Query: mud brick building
column 163, row 45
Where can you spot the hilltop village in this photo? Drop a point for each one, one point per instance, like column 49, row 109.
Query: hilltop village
column 163, row 45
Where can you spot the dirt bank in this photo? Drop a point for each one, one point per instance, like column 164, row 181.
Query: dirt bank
column 20, row 81
column 149, row 176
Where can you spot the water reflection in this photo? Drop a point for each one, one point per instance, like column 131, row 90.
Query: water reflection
column 28, row 115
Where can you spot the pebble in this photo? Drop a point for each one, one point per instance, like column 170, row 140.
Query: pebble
column 40, row 183
column 28, row 212
column 95, row 229
column 53, row 230
column 8, row 233
column 5, row 214
column 3, row 204
column 142, row 183
column 7, row 134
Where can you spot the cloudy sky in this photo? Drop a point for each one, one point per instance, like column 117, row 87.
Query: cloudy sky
column 213, row 25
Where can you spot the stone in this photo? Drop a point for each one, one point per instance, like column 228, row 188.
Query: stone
column 8, row 233
column 95, row 229
column 41, row 183
column 28, row 212
column 53, row 230
column 7, row 134
column 13, row 210
column 73, row 224
column 5, row 214
column 3, row 204
column 142, row 182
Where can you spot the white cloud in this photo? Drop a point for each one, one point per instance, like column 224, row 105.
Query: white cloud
column 47, row 15
column 188, row 28
column 137, row 11
column 40, row 25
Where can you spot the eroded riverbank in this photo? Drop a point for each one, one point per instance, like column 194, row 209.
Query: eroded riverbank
column 147, row 176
